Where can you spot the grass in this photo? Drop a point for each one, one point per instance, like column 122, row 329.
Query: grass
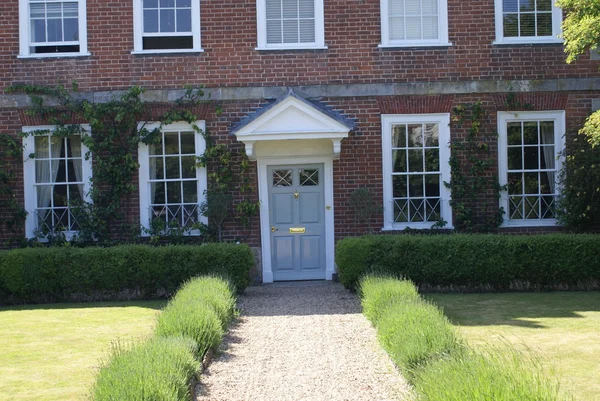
column 52, row 352
column 563, row 328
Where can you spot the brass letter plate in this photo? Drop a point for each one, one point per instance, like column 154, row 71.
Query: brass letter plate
column 299, row 230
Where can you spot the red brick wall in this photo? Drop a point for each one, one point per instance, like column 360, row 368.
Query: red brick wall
column 352, row 33
column 360, row 163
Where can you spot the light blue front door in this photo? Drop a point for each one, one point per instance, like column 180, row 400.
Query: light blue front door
column 297, row 214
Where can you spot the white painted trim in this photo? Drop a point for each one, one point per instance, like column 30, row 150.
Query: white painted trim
column 558, row 116
column 25, row 29
column 144, row 169
column 138, row 31
column 29, row 191
column 387, row 122
column 261, row 30
column 263, row 194
column 442, row 39
column 556, row 28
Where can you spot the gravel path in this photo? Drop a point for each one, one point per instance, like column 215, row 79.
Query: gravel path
column 301, row 341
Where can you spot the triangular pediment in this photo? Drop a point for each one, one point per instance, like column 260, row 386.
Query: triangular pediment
column 292, row 117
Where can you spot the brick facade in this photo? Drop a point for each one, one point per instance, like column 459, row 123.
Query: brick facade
column 353, row 58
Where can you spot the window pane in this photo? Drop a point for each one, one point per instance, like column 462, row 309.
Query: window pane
column 150, row 21
column 413, row 28
column 399, row 183
column 415, row 186
column 71, row 30
column 415, row 160
column 306, row 8
column 531, row 183
column 289, row 8
column 514, row 134
column 273, row 9
column 184, row 20
column 188, row 167
column 309, row 177
column 307, row 31
column 74, row 146
column 432, row 135
column 515, row 207
column 167, row 20
column 429, row 7
column 530, row 133
column 190, row 192
column 172, row 143
column 174, row 192
column 282, row 178
column 188, row 144
column 184, row 3
column 290, row 31
column 399, row 136
column 38, row 31
column 42, row 171
column 432, row 160
column 55, row 30
column 167, row 3
column 397, row 28
column 156, row 168
column 510, row 6
column 75, row 193
column 432, row 185
column 515, row 158
column 417, row 210
column 547, row 182
column 399, row 161
column 150, row 3
column 548, row 158
column 511, row 25
column 544, row 5
column 58, row 171
column 544, row 24
column 430, row 27
column 157, row 195
column 401, row 211
column 274, row 33
column 515, row 183
column 415, row 135
column 172, row 164
column 60, row 195
column 530, row 157
column 41, row 147
column 527, row 25
column 526, row 5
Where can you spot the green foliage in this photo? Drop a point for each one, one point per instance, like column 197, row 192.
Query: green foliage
column 217, row 207
column 364, row 206
column 496, row 375
column 471, row 166
column 201, row 310
column 10, row 157
column 158, row 370
column 378, row 293
column 581, row 27
column 591, row 129
column 68, row 273
column 410, row 329
column 578, row 205
column 469, row 262
column 424, row 345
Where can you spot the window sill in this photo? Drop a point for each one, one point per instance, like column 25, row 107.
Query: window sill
column 413, row 45
column 530, row 223
column 534, row 42
column 277, row 49
column 416, row 226
column 166, row 51
column 54, row 55
column 193, row 233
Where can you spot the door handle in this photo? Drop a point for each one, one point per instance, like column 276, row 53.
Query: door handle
column 273, row 229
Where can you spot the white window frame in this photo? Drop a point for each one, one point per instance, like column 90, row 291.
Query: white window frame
column 558, row 116
column 442, row 40
column 30, row 192
column 138, row 34
column 557, row 18
column 25, row 33
column 261, row 25
column 387, row 123
column 144, row 170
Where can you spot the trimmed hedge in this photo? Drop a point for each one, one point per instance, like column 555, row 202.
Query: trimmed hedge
column 127, row 271
column 411, row 330
column 475, row 262
column 441, row 367
column 158, row 370
column 201, row 310
column 163, row 368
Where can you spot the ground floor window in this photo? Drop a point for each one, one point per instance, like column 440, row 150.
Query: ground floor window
column 172, row 186
column 529, row 149
column 56, row 177
column 415, row 166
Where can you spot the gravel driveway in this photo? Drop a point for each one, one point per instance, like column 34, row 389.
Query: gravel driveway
column 301, row 341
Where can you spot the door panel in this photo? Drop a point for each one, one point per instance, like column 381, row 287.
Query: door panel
column 297, row 216
column 310, row 207
column 310, row 251
column 283, row 249
column 282, row 208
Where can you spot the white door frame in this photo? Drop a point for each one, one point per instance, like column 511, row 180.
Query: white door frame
column 263, row 194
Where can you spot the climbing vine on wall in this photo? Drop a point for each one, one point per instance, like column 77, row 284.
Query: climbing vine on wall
column 14, row 212
column 472, row 171
column 116, row 133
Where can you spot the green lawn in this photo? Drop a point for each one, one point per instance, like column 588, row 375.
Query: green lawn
column 51, row 352
column 561, row 327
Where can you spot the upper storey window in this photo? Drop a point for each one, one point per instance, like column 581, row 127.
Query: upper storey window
column 290, row 24
column 164, row 26
column 52, row 28
column 527, row 21
column 414, row 23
